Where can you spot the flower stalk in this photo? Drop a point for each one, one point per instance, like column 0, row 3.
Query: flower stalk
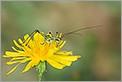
column 40, row 68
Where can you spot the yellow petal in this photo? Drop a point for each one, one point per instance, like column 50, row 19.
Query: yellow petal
column 55, row 63
column 12, row 69
column 28, row 51
column 20, row 41
column 31, row 64
column 53, row 44
column 17, row 50
column 38, row 38
column 27, row 39
column 31, row 44
column 17, row 44
column 25, row 60
column 5, row 56
column 68, row 58
column 10, row 63
column 61, row 44
column 49, row 52
column 62, row 61
column 63, row 53
column 17, row 58
column 27, row 67
column 12, row 54
column 14, row 48
column 36, row 62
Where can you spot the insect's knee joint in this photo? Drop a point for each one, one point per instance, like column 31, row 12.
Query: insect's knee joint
column 37, row 31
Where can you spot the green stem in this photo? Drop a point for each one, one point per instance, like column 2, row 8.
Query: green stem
column 40, row 68
column 39, row 77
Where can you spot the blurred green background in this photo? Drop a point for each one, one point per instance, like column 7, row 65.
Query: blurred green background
column 100, row 48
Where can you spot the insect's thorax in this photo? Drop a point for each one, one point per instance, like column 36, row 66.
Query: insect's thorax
column 49, row 38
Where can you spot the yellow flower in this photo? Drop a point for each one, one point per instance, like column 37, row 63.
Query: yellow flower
column 38, row 49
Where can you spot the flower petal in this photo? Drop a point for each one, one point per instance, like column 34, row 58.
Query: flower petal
column 31, row 64
column 12, row 54
column 61, row 44
column 55, row 63
column 63, row 53
column 14, row 48
column 10, row 63
column 27, row 67
column 38, row 38
column 20, row 41
column 35, row 62
column 27, row 40
column 60, row 60
column 12, row 69
column 68, row 58
column 26, row 37
column 17, row 44
column 19, row 59
column 25, row 60
column 28, row 51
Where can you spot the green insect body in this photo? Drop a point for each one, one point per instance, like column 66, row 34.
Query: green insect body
column 49, row 38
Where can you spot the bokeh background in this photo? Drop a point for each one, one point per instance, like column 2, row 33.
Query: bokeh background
column 100, row 48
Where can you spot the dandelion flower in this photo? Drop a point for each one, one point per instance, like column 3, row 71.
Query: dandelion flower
column 41, row 48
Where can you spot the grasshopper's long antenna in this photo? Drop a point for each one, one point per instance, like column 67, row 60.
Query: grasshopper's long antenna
column 84, row 28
